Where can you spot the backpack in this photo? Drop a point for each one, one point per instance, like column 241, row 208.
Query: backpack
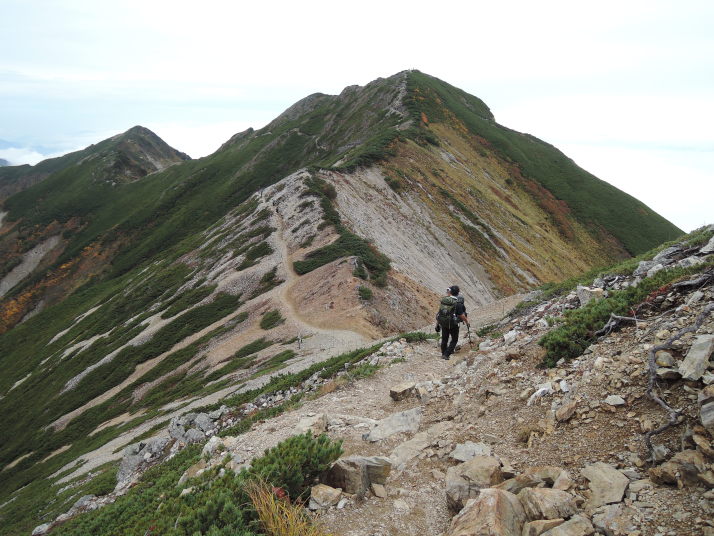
column 446, row 317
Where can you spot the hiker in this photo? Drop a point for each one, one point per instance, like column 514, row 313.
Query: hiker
column 451, row 312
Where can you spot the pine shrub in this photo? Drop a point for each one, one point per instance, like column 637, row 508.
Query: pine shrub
column 295, row 464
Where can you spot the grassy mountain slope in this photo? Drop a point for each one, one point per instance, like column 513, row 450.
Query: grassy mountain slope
column 594, row 202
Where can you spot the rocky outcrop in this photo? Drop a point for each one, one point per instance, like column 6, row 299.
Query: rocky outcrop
column 465, row 481
column 355, row 473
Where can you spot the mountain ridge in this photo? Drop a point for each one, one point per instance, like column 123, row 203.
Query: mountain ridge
column 335, row 225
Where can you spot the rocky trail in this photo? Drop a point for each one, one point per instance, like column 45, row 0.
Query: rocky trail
column 488, row 442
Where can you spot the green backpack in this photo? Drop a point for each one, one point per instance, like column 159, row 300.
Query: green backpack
column 446, row 317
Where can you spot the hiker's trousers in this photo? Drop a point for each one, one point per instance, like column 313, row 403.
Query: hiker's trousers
column 447, row 347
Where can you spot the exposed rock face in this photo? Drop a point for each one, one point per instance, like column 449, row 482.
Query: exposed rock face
column 587, row 294
column 536, row 528
column 607, row 484
column 494, row 513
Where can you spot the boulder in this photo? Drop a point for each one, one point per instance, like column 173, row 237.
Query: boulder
column 316, row 424
column 191, row 427
column 466, row 480
column 404, row 421
column 464, row 452
column 607, row 484
column 575, row 526
column 322, row 497
column 616, row 520
column 354, row 474
column 547, row 503
column 536, row 528
column 587, row 294
column 494, row 513
column 696, row 362
column 213, row 445
column 402, row 391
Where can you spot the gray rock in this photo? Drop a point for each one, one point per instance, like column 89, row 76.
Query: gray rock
column 494, row 513
column 587, row 294
column 708, row 248
column 137, row 454
column 607, row 484
column 547, row 503
column 706, row 407
column 404, row 421
column 466, row 451
column 615, row 400
column 691, row 261
column 665, row 255
column 218, row 413
column 510, row 337
column 576, row 526
column 656, row 268
column 697, row 360
column 643, row 267
column 84, row 503
column 41, row 529
column 546, row 475
column 616, row 520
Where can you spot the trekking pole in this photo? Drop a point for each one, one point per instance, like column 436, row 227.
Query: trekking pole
column 468, row 332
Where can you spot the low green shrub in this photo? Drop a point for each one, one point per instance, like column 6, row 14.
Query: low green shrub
column 294, row 464
column 578, row 327
column 271, row 319
column 365, row 293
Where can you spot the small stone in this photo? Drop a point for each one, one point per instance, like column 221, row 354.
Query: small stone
column 664, row 359
column 615, row 400
column 379, row 490
column 565, row 412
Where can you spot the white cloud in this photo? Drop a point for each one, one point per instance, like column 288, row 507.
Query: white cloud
column 17, row 156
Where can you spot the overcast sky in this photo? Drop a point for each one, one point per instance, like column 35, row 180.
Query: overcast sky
column 625, row 88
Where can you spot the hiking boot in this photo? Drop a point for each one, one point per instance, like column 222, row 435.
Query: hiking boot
column 445, row 356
